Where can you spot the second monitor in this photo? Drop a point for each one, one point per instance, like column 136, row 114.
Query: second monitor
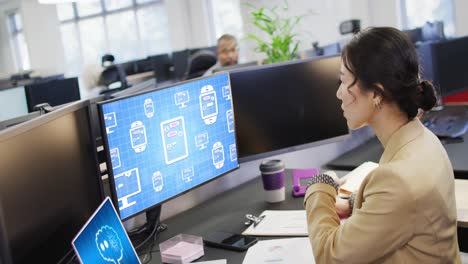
column 287, row 105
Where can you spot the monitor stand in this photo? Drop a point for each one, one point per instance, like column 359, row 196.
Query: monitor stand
column 146, row 234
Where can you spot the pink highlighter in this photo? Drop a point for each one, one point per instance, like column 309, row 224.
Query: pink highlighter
column 299, row 175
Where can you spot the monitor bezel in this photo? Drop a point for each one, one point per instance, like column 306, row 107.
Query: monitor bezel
column 110, row 172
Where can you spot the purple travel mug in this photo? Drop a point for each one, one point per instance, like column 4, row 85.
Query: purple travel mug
column 273, row 180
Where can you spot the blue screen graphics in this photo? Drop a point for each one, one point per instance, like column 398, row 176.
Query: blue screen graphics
column 168, row 141
column 104, row 240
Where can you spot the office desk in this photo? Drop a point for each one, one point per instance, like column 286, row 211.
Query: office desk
column 226, row 212
column 139, row 77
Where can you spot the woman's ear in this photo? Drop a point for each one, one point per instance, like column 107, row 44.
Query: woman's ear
column 380, row 90
column 378, row 95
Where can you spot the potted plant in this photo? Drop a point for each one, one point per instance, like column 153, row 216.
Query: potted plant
column 281, row 44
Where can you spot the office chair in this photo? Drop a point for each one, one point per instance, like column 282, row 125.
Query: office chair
column 199, row 63
column 112, row 76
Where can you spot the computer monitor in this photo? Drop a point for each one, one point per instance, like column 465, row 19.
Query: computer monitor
column 56, row 92
column 162, row 67
column 451, row 65
column 180, row 60
column 49, row 184
column 157, row 149
column 287, row 106
column 12, row 103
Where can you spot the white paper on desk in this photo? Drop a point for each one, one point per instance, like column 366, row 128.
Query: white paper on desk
column 286, row 250
column 219, row 261
column 357, row 176
column 280, row 223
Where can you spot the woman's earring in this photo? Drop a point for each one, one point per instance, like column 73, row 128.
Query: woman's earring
column 378, row 105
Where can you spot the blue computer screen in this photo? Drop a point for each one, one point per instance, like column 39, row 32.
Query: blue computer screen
column 103, row 239
column 165, row 142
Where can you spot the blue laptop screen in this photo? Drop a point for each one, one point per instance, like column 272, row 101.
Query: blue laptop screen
column 104, row 240
column 168, row 141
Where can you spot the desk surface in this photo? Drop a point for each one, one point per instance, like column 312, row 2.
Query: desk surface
column 226, row 212
column 139, row 77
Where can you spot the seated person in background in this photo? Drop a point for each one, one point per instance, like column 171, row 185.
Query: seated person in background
column 227, row 52
column 404, row 210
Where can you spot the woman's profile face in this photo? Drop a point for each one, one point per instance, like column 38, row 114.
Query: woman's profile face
column 357, row 104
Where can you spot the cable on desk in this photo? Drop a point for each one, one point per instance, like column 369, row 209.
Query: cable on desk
column 158, row 228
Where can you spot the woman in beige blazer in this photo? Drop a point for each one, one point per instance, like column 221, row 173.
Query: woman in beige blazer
column 404, row 211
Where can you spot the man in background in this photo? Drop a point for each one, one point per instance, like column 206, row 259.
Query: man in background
column 227, row 52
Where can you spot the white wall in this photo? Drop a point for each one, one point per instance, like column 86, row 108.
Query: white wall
column 461, row 17
column 42, row 33
column 189, row 23
column 384, row 13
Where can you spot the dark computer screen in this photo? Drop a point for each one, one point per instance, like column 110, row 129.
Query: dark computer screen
column 284, row 105
column 451, row 65
column 165, row 142
column 162, row 67
column 49, row 184
column 180, row 60
column 56, row 92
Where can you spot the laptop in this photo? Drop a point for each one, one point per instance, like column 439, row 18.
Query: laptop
column 103, row 239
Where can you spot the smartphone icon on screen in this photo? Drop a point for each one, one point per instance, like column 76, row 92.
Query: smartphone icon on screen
column 138, row 136
column 208, row 104
column 174, row 139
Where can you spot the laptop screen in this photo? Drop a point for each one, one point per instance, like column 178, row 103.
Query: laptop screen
column 103, row 239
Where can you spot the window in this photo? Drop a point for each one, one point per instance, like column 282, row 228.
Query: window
column 128, row 29
column 417, row 12
column 18, row 42
column 227, row 18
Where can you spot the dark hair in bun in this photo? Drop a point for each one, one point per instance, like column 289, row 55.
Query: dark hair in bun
column 386, row 56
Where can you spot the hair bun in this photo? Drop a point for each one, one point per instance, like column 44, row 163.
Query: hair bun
column 428, row 99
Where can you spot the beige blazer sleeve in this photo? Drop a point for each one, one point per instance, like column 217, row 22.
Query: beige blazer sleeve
column 381, row 226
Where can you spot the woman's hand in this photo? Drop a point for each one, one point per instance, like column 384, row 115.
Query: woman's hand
column 342, row 207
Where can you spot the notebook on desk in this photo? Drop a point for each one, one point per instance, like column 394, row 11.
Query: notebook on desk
column 103, row 239
column 280, row 223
